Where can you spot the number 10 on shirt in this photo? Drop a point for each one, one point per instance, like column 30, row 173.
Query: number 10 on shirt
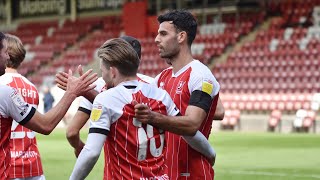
column 145, row 134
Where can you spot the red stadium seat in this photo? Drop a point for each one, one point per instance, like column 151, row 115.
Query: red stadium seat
column 231, row 120
column 274, row 121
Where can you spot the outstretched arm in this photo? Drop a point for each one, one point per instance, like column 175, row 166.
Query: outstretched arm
column 44, row 124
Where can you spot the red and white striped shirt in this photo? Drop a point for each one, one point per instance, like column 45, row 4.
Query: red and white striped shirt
column 135, row 150
column 12, row 105
column 86, row 106
column 25, row 156
column 184, row 162
column 141, row 78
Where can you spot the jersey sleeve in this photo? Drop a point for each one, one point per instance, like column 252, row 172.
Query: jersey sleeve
column 203, row 87
column 204, row 82
column 100, row 117
column 85, row 105
column 15, row 107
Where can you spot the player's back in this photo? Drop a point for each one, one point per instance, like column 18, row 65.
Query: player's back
column 136, row 150
column 141, row 78
column 25, row 157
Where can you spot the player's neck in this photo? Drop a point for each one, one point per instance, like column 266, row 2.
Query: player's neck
column 124, row 79
column 11, row 70
column 181, row 60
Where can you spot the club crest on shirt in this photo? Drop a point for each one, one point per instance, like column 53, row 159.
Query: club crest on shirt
column 96, row 113
column 180, row 87
column 207, row 86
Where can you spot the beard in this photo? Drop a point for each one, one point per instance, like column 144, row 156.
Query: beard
column 169, row 56
column 168, row 61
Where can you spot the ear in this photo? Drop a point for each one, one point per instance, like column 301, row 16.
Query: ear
column 114, row 72
column 182, row 36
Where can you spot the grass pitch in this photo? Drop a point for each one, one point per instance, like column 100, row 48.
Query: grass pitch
column 240, row 156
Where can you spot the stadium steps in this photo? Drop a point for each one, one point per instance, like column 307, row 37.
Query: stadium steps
column 258, row 122
column 76, row 45
column 49, row 80
column 247, row 38
column 95, row 65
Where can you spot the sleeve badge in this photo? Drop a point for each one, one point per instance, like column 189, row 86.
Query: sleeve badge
column 207, row 87
column 96, row 113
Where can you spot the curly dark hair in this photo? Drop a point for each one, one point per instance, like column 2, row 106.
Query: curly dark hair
column 183, row 20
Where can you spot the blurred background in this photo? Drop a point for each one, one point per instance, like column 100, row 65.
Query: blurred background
column 264, row 53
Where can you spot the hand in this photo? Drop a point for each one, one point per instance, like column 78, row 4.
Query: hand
column 78, row 150
column 62, row 78
column 79, row 86
column 142, row 112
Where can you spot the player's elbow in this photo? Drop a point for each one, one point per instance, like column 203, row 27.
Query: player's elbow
column 71, row 133
column 192, row 129
column 46, row 130
column 93, row 154
column 219, row 114
column 191, row 132
column 186, row 130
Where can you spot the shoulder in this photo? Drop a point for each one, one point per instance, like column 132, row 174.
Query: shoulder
column 145, row 78
column 99, row 84
column 5, row 79
column 107, row 95
column 199, row 69
column 151, row 91
column 28, row 81
column 164, row 73
column 202, row 78
column 6, row 91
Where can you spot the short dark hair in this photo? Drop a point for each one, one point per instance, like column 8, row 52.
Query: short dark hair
column 182, row 20
column 134, row 43
column 2, row 36
column 120, row 54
